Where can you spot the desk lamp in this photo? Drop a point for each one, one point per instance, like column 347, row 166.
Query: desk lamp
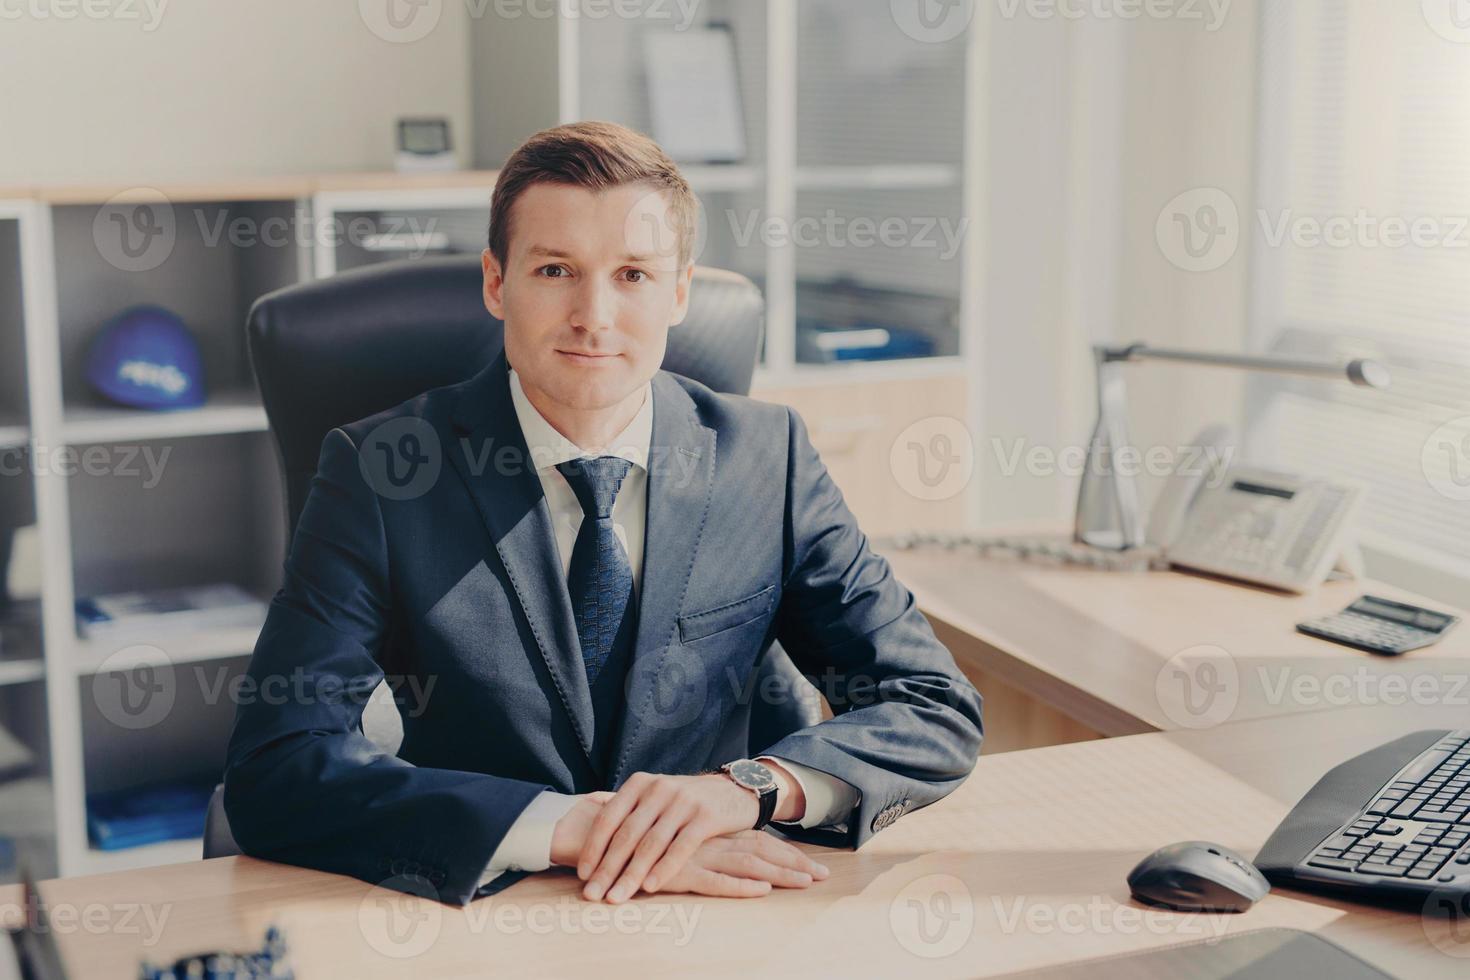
column 1108, row 515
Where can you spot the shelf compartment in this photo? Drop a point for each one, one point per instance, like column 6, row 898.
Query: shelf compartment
column 98, row 862
column 27, row 814
column 614, row 83
column 21, row 660
column 13, row 381
column 231, row 411
column 206, row 263
column 879, row 260
column 184, row 647
column 869, row 93
column 185, row 512
column 13, row 431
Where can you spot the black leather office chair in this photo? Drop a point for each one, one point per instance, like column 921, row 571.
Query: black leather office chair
column 335, row 350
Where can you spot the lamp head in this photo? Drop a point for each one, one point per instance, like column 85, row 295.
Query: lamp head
column 1368, row 374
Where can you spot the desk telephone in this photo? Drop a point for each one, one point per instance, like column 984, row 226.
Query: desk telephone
column 1255, row 524
column 1249, row 523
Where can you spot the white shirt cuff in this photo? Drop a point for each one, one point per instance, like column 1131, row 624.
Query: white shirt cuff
column 527, row 845
column 829, row 800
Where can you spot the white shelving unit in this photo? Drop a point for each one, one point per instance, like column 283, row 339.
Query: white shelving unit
column 213, row 514
column 217, row 512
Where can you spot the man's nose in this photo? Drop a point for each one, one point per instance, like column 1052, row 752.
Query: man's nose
column 595, row 305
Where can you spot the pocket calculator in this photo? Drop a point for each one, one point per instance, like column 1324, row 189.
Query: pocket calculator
column 1381, row 626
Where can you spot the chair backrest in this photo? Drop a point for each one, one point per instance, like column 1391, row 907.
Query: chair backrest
column 336, row 350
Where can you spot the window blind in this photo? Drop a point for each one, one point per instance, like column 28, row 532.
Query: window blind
column 1361, row 247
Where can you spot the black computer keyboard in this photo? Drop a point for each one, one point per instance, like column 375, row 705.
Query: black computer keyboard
column 1414, row 835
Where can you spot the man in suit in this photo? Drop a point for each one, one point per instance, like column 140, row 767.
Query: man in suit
column 574, row 562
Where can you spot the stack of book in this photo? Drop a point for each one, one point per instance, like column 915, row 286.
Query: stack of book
column 136, row 615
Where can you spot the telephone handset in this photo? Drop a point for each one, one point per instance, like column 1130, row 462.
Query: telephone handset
column 1255, row 524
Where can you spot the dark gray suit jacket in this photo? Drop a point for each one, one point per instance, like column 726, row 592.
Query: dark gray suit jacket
column 425, row 554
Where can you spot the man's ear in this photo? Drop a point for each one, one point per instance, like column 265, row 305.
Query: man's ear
column 493, row 285
column 681, row 295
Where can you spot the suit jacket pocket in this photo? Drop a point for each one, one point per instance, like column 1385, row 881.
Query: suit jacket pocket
column 726, row 616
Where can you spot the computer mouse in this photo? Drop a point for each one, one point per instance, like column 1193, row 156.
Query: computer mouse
column 1197, row 876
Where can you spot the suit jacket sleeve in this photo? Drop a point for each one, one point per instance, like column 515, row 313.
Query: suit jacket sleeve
column 906, row 728
column 303, row 785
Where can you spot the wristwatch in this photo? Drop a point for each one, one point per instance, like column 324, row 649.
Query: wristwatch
column 760, row 780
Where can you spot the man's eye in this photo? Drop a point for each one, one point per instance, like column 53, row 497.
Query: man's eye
column 637, row 272
column 544, row 269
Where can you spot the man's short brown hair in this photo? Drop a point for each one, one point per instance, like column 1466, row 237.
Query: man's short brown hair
column 597, row 156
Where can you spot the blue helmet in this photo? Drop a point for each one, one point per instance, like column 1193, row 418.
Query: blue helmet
column 145, row 357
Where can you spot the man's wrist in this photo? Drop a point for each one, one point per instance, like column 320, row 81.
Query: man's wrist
column 571, row 831
column 790, row 799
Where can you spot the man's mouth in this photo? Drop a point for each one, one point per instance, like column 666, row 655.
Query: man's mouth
column 583, row 357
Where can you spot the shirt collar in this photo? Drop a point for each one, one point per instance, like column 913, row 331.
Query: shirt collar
column 549, row 447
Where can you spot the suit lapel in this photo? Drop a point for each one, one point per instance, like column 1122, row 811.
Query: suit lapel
column 510, row 500
column 681, row 464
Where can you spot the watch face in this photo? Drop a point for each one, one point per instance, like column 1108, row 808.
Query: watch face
column 752, row 774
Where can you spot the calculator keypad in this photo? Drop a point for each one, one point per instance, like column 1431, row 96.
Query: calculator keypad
column 1369, row 631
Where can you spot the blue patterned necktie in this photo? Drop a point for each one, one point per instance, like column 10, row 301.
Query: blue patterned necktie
column 600, row 579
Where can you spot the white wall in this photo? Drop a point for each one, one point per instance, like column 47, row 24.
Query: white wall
column 514, row 76
column 218, row 88
column 1026, row 395
column 1095, row 124
column 1189, row 122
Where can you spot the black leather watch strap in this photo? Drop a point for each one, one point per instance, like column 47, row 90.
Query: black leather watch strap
column 768, row 807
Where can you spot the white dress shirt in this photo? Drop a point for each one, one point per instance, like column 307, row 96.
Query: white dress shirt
column 527, row 845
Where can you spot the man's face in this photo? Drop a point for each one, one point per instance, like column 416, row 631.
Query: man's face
column 590, row 288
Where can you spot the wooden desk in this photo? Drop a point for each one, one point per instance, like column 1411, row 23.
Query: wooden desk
column 1033, row 850
column 1093, row 649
